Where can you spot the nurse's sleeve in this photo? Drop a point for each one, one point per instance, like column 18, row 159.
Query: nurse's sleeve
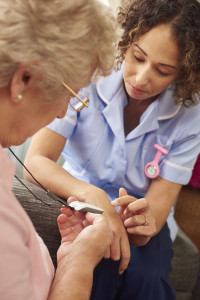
column 178, row 164
column 65, row 126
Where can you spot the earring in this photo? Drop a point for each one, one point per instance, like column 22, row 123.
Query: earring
column 19, row 97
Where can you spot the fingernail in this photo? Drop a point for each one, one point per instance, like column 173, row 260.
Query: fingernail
column 114, row 202
column 121, row 272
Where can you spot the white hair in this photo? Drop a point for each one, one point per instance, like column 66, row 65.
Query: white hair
column 65, row 39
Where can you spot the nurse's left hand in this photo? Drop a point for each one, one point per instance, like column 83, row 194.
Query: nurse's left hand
column 137, row 217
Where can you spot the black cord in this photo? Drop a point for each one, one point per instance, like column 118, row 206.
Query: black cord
column 49, row 193
column 32, row 192
column 27, row 170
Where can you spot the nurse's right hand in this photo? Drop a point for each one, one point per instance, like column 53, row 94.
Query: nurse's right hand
column 120, row 248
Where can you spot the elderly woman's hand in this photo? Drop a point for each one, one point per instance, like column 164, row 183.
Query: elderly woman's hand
column 120, row 247
column 137, row 218
column 87, row 230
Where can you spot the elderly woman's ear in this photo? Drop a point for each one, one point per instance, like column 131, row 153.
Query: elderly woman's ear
column 21, row 81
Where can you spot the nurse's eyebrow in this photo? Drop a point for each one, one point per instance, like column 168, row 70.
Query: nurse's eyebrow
column 164, row 65
column 140, row 49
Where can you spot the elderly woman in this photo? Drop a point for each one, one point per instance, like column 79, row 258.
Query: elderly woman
column 45, row 45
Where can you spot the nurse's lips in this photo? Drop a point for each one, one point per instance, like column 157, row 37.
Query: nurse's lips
column 135, row 91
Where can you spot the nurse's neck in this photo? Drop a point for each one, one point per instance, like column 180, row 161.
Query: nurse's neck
column 138, row 102
column 133, row 111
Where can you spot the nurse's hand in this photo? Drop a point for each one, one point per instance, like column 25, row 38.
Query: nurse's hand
column 120, row 247
column 137, row 218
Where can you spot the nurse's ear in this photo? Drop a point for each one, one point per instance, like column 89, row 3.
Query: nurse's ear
column 20, row 82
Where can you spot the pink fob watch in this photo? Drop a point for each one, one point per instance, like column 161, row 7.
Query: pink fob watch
column 152, row 169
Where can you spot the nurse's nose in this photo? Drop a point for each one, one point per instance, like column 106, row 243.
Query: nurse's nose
column 142, row 76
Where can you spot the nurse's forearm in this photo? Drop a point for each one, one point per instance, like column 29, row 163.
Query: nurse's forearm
column 161, row 196
column 53, row 177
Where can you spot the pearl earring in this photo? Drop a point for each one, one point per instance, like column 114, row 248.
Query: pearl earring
column 19, row 97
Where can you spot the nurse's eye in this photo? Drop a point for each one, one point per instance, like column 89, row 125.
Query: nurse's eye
column 138, row 59
column 162, row 73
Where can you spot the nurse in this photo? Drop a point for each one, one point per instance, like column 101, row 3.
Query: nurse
column 152, row 99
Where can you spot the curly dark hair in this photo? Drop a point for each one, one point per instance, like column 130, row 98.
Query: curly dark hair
column 137, row 17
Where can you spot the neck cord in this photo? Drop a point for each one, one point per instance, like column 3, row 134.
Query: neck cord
column 48, row 192
column 27, row 170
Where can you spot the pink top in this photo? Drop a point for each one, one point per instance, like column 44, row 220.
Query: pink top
column 26, row 269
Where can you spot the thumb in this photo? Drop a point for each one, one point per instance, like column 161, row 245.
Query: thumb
column 95, row 218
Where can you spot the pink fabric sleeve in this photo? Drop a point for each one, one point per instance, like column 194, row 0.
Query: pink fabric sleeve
column 26, row 270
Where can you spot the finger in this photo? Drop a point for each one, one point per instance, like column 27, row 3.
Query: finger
column 125, row 254
column 71, row 199
column 69, row 218
column 67, row 211
column 121, row 210
column 122, row 192
column 63, row 222
column 140, row 206
column 62, row 219
column 115, row 252
column 94, row 218
column 137, row 220
column 107, row 253
column 72, row 221
column 70, row 212
column 147, row 231
column 86, row 223
column 124, row 200
column 64, row 227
